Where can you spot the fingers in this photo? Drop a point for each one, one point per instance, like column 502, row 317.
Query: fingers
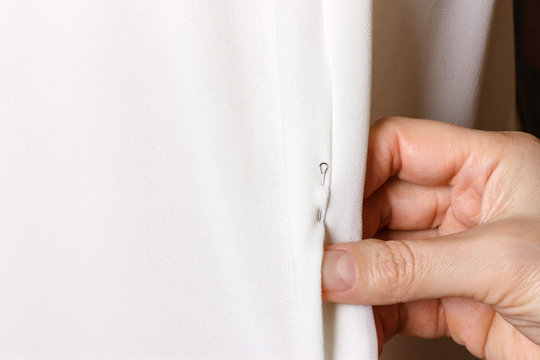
column 401, row 205
column 386, row 323
column 418, row 151
column 465, row 320
column 375, row 272
column 472, row 324
column 388, row 272
column 386, row 234
column 424, row 318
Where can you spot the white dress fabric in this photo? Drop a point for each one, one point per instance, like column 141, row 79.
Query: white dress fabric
column 161, row 188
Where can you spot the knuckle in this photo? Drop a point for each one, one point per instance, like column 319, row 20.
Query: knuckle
column 391, row 121
column 524, row 137
column 523, row 140
column 395, row 269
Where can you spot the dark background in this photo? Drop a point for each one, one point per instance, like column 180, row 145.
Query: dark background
column 527, row 51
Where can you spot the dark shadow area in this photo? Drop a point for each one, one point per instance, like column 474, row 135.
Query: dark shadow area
column 406, row 348
column 527, row 52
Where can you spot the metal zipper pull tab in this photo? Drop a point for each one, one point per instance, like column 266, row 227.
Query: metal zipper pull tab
column 324, row 168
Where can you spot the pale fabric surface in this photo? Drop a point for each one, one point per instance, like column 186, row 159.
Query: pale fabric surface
column 160, row 184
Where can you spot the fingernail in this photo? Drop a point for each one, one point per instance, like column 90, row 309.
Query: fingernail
column 338, row 270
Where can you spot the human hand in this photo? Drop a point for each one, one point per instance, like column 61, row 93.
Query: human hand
column 462, row 210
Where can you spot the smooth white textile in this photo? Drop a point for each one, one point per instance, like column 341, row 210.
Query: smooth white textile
column 160, row 186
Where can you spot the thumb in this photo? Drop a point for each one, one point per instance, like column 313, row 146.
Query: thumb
column 376, row 272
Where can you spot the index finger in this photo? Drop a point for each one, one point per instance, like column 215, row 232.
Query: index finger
column 419, row 151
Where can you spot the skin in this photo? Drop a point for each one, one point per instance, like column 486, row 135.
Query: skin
column 452, row 221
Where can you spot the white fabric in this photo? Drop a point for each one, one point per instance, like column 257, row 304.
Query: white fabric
column 160, row 187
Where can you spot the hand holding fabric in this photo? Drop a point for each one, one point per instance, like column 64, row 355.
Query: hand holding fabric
column 455, row 216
